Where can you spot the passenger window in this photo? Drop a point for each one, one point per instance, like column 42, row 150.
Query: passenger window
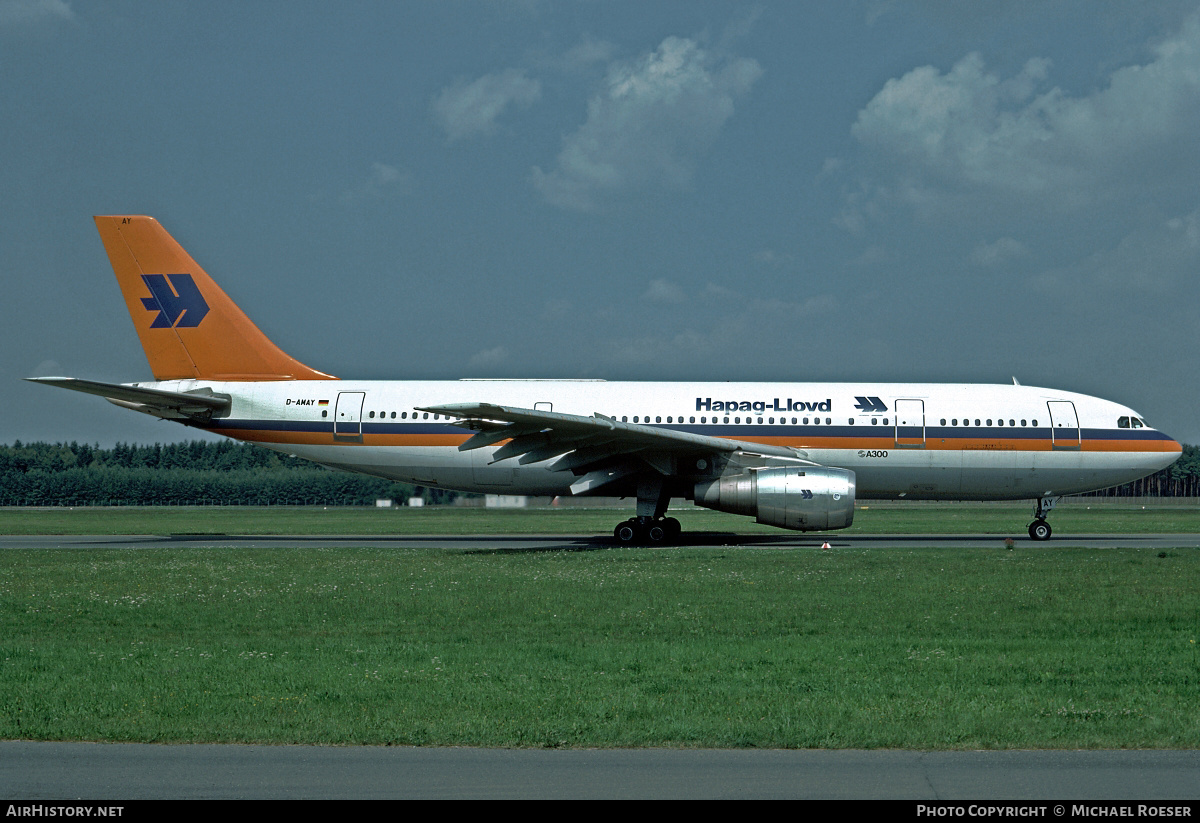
column 657, row 419
column 1022, row 423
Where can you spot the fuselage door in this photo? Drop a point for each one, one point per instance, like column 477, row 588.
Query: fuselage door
column 910, row 424
column 347, row 415
column 1064, row 424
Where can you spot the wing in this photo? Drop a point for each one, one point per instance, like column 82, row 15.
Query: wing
column 600, row 449
column 197, row 405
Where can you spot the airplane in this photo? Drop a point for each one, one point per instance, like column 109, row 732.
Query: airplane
column 792, row 455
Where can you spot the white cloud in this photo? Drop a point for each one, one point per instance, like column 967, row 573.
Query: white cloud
column 587, row 53
column 34, row 11
column 1159, row 258
column 488, row 358
column 995, row 254
column 726, row 316
column 967, row 129
column 47, row 368
column 654, row 117
column 382, row 179
column 664, row 291
column 713, row 291
column 773, row 259
column 464, row 109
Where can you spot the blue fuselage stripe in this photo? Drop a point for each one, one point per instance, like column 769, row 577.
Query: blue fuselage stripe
column 736, row 432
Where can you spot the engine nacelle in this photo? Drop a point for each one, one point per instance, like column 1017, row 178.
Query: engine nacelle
column 805, row 499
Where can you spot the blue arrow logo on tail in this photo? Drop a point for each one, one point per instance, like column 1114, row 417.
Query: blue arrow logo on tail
column 870, row 404
column 177, row 300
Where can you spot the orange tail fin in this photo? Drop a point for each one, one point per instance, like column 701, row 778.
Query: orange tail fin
column 189, row 328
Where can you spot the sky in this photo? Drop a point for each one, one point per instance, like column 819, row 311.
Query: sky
column 788, row 191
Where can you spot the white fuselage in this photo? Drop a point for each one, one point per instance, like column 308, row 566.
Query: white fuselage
column 913, row 440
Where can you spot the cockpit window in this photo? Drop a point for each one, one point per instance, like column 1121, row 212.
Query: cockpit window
column 1137, row 424
column 1122, row 422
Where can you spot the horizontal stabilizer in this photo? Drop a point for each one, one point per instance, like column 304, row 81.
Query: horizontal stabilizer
column 202, row 403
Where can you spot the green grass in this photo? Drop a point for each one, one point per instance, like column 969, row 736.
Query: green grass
column 1007, row 519
column 1039, row 647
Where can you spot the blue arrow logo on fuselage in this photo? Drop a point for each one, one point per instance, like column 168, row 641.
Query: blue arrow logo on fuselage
column 870, row 404
column 177, row 300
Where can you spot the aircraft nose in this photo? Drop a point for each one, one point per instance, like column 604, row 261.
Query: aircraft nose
column 1171, row 451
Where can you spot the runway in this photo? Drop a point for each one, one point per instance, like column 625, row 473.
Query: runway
column 549, row 543
column 56, row 771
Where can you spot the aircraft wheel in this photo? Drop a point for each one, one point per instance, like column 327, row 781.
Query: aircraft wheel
column 628, row 532
column 673, row 528
column 1040, row 530
column 658, row 533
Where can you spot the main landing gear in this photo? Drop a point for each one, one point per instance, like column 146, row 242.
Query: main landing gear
column 650, row 526
column 1039, row 529
column 655, row 531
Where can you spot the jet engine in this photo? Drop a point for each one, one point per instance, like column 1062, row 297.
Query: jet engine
column 805, row 498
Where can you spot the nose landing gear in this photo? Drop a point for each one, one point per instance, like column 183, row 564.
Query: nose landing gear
column 1039, row 529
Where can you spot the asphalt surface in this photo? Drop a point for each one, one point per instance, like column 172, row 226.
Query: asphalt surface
column 589, row 542
column 61, row 771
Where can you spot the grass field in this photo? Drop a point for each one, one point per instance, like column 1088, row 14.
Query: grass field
column 1035, row 647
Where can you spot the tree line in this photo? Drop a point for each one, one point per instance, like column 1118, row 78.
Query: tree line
column 1180, row 479
column 228, row 473
column 223, row 473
